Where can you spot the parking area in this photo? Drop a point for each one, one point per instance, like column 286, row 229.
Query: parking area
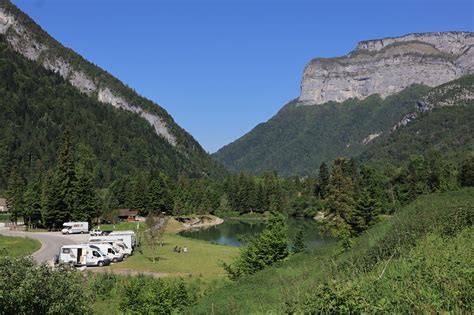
column 50, row 242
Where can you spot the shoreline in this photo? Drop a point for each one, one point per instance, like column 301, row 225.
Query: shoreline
column 189, row 226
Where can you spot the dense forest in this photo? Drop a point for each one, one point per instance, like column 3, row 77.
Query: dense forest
column 299, row 137
column 37, row 106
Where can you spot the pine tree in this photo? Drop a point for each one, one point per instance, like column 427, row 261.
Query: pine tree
column 299, row 244
column 159, row 195
column 466, row 175
column 52, row 211
column 32, row 203
column 65, row 178
column 339, row 201
column 268, row 248
column 86, row 200
column 365, row 212
column 323, row 180
column 14, row 195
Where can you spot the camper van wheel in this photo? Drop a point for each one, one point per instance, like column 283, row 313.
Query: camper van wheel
column 114, row 260
column 100, row 263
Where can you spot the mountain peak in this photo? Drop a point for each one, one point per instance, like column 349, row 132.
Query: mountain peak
column 29, row 39
column 387, row 66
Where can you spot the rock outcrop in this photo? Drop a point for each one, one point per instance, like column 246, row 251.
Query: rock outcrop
column 389, row 65
column 28, row 39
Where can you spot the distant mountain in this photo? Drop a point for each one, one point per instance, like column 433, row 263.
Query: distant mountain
column 348, row 102
column 46, row 88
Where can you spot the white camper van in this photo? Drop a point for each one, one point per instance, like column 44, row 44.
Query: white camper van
column 135, row 242
column 75, row 227
column 82, row 255
column 118, row 246
column 108, row 250
column 126, row 239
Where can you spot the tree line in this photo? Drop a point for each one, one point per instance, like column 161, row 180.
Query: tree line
column 351, row 195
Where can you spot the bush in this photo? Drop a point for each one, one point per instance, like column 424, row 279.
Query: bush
column 142, row 295
column 28, row 288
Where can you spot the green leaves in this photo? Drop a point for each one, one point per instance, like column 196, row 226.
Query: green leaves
column 268, row 248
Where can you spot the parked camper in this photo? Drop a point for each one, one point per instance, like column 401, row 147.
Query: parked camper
column 135, row 241
column 126, row 239
column 82, row 255
column 108, row 250
column 118, row 246
column 75, row 227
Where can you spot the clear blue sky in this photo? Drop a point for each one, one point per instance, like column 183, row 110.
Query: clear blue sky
column 221, row 67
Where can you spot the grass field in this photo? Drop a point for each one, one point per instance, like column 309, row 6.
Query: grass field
column 18, row 246
column 203, row 259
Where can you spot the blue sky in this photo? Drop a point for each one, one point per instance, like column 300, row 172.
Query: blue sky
column 222, row 67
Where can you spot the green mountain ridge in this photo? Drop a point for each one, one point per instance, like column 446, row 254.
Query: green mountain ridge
column 37, row 106
column 22, row 36
column 298, row 138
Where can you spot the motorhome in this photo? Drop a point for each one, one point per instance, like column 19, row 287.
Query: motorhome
column 82, row 255
column 126, row 239
column 108, row 250
column 75, row 227
column 135, row 241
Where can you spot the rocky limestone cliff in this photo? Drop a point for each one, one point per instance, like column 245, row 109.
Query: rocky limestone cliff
column 29, row 40
column 389, row 65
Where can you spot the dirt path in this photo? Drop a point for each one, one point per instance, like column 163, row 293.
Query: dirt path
column 131, row 272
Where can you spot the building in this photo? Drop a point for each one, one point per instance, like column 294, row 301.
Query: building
column 127, row 215
column 3, row 205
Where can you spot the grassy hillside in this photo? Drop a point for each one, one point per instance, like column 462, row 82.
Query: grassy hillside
column 299, row 138
column 419, row 260
column 37, row 106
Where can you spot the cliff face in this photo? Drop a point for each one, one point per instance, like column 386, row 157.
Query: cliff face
column 31, row 41
column 389, row 65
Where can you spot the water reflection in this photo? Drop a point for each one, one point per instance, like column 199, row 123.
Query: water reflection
column 234, row 231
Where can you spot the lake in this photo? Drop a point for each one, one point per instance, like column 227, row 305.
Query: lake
column 232, row 231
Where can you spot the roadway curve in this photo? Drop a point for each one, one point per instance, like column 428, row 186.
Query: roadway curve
column 50, row 242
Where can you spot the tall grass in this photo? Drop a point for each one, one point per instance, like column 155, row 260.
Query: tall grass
column 420, row 260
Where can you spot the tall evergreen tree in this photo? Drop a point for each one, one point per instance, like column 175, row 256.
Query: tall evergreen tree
column 86, row 200
column 65, row 178
column 323, row 180
column 298, row 244
column 339, row 201
column 14, row 195
column 466, row 174
column 268, row 248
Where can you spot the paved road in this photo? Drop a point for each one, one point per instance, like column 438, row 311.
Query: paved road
column 50, row 241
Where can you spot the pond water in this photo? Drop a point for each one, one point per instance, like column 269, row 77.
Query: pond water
column 232, row 231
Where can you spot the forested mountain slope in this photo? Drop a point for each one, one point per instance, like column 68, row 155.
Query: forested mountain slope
column 46, row 87
column 38, row 105
column 299, row 138
column 413, row 121
column 443, row 121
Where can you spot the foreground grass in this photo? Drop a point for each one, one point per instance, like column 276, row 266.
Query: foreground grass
column 420, row 260
column 18, row 246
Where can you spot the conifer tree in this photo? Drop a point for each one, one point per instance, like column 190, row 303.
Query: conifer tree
column 268, row 248
column 323, row 180
column 339, row 200
column 52, row 211
column 466, row 175
column 14, row 195
column 299, row 244
column 86, row 200
column 65, row 178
